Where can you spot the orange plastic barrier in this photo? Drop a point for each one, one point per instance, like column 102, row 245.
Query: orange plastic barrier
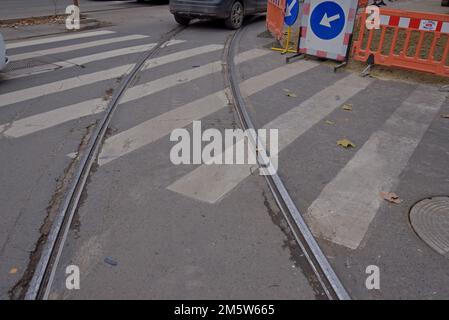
column 411, row 40
column 275, row 17
column 363, row 3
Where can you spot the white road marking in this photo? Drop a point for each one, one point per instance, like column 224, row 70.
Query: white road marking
column 52, row 118
column 166, row 82
column 154, row 129
column 84, row 45
column 173, row 57
column 210, row 183
column 59, row 86
column 149, row 131
column 250, row 54
column 28, row 43
column 146, row 89
column 346, row 206
column 83, row 60
column 55, row 117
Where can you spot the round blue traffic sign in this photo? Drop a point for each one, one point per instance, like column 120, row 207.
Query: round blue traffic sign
column 327, row 20
column 291, row 12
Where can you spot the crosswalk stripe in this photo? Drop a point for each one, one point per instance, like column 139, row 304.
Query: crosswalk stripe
column 158, row 127
column 181, row 55
column 85, row 45
column 210, row 183
column 28, row 43
column 84, row 60
column 51, row 118
column 166, row 82
column 154, row 129
column 58, row 86
column 346, row 206
column 146, row 89
column 250, row 54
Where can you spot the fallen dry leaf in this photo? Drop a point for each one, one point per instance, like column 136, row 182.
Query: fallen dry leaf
column 391, row 197
column 13, row 271
column 345, row 143
column 347, row 107
column 330, row 122
column 291, row 95
column 445, row 116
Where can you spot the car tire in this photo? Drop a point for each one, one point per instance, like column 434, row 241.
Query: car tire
column 235, row 19
column 445, row 3
column 184, row 21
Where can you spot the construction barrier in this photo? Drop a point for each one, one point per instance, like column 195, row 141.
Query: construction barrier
column 411, row 40
column 275, row 17
column 363, row 3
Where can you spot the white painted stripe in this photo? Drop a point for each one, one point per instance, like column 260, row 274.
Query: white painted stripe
column 51, row 118
column 210, row 183
column 267, row 79
column 182, row 77
column 85, row 45
column 160, row 126
column 346, row 206
column 149, row 88
column 404, row 22
column 153, row 129
column 59, row 86
column 28, row 43
column 384, row 20
column 84, row 60
column 251, row 54
column 445, row 27
column 180, row 55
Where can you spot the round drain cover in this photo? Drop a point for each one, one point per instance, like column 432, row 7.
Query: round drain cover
column 430, row 220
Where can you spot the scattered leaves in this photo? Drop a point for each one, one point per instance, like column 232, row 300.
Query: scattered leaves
column 347, row 107
column 289, row 93
column 107, row 95
column 330, row 122
column 391, row 197
column 58, row 19
column 345, row 143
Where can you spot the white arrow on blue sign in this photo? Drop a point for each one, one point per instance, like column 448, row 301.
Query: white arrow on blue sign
column 291, row 12
column 327, row 20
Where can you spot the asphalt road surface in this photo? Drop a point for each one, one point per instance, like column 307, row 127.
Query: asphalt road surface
column 147, row 228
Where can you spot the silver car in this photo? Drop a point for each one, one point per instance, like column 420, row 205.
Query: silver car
column 3, row 57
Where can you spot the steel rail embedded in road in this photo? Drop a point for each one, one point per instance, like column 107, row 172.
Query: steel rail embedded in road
column 40, row 284
column 328, row 279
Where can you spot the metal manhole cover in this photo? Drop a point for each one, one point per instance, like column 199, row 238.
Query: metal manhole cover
column 430, row 220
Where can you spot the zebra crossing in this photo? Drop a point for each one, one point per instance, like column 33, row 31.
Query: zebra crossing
column 337, row 214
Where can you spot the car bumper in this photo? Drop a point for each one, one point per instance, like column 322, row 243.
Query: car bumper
column 200, row 9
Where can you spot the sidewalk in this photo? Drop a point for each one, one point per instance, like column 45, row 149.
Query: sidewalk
column 18, row 9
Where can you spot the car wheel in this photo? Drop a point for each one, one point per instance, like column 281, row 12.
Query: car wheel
column 445, row 3
column 235, row 19
column 184, row 21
